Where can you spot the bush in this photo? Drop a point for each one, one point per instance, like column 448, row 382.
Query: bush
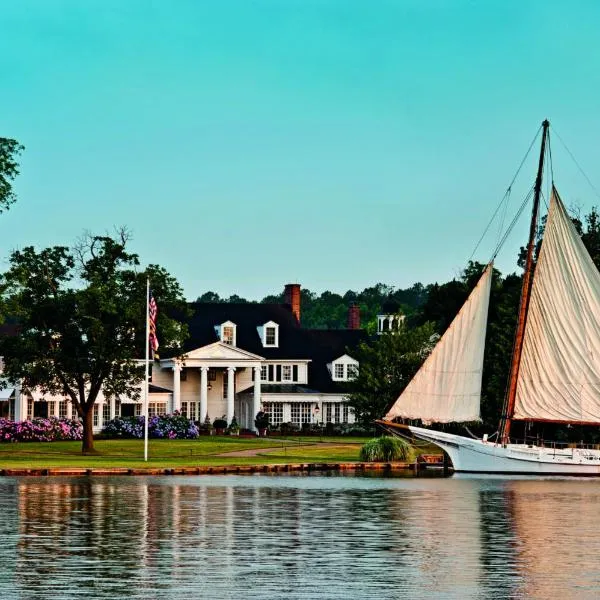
column 386, row 449
column 174, row 426
column 220, row 423
column 289, row 428
column 40, row 430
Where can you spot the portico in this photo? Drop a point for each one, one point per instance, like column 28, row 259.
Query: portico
column 206, row 380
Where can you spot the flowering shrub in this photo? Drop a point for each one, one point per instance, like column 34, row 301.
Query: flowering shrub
column 174, row 426
column 40, row 430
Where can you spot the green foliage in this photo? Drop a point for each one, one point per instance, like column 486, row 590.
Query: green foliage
column 330, row 310
column 386, row 449
column 81, row 314
column 387, row 364
column 9, row 169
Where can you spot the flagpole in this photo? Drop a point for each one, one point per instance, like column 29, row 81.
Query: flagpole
column 147, row 369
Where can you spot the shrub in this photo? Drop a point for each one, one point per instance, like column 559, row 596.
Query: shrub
column 40, row 430
column 386, row 449
column 289, row 428
column 220, row 423
column 174, row 426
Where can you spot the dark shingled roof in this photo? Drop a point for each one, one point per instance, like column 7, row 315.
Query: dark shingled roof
column 320, row 346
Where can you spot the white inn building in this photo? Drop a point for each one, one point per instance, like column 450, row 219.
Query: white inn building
column 239, row 359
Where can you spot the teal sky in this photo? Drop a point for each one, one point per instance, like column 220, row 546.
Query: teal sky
column 251, row 143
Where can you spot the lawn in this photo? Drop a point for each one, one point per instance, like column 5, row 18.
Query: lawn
column 178, row 453
column 204, row 451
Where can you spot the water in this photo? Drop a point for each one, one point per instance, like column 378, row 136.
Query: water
column 298, row 537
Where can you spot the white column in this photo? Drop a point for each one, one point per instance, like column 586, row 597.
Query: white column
column 20, row 405
column 176, row 397
column 113, row 407
column 100, row 415
column 230, row 392
column 203, row 394
column 256, row 398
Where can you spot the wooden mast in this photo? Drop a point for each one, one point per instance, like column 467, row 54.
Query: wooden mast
column 509, row 411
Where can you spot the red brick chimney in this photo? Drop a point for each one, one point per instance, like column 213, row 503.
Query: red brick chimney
column 354, row 316
column 291, row 296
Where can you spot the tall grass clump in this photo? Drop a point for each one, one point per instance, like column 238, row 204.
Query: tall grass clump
column 386, row 449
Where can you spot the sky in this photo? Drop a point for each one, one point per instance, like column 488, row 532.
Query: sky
column 247, row 144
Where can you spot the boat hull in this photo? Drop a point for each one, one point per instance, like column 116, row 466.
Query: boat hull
column 470, row 455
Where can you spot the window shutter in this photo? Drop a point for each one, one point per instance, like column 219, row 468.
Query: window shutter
column 295, row 373
column 278, row 378
column 271, row 370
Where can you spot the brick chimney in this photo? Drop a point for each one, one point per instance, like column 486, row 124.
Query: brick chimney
column 291, row 296
column 354, row 316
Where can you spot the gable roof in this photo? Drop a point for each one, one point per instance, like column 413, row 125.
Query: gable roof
column 319, row 346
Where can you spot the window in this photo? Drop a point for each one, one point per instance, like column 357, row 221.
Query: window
column 276, row 414
column 337, row 413
column 184, row 409
column 306, row 412
column 212, row 375
column 62, row 409
column 339, row 371
column 156, row 408
column 352, row 371
column 138, row 410
column 328, row 412
column 270, row 336
column 263, row 373
column 344, row 413
column 228, row 335
column 30, row 408
column 295, row 413
column 192, row 415
column 106, row 412
column 96, row 417
column 286, row 373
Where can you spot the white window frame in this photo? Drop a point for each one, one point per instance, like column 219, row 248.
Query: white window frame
column 339, row 371
column 220, row 329
column 286, row 372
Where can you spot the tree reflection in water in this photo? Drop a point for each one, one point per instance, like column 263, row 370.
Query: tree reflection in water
column 297, row 537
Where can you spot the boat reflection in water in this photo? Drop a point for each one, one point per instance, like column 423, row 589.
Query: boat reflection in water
column 298, row 537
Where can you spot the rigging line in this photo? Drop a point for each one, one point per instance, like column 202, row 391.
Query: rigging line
column 506, row 196
column 576, row 163
column 513, row 223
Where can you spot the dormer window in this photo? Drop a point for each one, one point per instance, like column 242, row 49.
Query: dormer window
column 269, row 334
column 344, row 368
column 226, row 333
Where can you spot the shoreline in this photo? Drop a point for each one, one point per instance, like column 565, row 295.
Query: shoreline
column 214, row 470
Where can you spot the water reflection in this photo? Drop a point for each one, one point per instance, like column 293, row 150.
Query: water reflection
column 298, row 537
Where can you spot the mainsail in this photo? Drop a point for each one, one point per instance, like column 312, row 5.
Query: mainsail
column 559, row 373
column 447, row 387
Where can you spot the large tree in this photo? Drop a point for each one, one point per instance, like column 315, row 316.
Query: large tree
column 9, row 169
column 81, row 315
column 387, row 364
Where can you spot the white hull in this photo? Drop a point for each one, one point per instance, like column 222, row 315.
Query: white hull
column 478, row 456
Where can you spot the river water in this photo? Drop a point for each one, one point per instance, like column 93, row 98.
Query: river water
column 316, row 536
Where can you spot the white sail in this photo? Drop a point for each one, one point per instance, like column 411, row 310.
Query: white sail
column 559, row 373
column 447, row 387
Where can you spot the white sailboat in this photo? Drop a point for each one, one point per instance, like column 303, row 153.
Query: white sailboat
column 555, row 373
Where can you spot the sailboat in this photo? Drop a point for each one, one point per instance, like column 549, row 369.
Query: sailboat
column 555, row 368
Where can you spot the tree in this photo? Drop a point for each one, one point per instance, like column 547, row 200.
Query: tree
column 81, row 315
column 9, row 169
column 386, row 366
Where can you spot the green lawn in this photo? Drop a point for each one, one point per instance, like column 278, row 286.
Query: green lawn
column 177, row 453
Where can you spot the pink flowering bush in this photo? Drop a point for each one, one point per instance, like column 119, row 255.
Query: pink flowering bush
column 40, row 430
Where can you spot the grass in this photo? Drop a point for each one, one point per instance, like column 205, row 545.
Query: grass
column 204, row 451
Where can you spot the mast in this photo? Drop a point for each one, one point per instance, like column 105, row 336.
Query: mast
column 509, row 404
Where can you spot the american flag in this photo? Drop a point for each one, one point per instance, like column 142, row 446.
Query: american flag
column 152, row 312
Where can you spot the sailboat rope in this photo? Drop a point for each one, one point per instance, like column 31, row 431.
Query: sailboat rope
column 505, row 198
column 512, row 224
column 594, row 188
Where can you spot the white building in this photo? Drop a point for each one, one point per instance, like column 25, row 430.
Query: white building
column 239, row 358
